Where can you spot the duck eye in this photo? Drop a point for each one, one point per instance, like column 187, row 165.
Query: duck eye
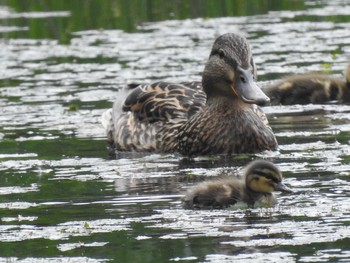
column 221, row 53
column 242, row 79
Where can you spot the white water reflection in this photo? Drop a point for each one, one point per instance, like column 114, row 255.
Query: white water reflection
column 93, row 197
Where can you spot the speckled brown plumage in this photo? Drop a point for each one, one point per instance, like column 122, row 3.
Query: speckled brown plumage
column 260, row 179
column 217, row 115
column 309, row 88
column 241, row 123
column 152, row 115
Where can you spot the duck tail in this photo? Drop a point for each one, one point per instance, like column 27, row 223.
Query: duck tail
column 106, row 119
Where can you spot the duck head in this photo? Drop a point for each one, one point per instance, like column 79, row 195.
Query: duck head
column 230, row 71
column 264, row 177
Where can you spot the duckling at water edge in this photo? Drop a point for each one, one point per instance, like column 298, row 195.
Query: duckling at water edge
column 260, row 179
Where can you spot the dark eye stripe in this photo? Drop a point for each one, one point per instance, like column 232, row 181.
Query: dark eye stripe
column 267, row 176
column 214, row 53
column 228, row 59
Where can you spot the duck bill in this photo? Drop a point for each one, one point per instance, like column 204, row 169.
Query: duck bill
column 247, row 89
column 283, row 188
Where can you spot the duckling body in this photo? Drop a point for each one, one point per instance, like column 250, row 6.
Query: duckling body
column 261, row 178
column 217, row 115
column 309, row 88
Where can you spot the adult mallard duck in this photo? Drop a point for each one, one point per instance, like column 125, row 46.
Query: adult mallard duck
column 309, row 88
column 260, row 179
column 219, row 115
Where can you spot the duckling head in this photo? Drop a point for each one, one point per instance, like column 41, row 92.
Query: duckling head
column 264, row 177
column 231, row 72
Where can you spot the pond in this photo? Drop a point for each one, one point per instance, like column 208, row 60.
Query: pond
column 64, row 199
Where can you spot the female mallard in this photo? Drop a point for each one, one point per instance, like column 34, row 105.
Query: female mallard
column 219, row 116
column 309, row 88
column 260, row 179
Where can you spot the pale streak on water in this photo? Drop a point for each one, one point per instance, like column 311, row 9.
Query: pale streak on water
column 314, row 142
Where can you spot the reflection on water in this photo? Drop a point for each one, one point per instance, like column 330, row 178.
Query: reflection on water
column 64, row 199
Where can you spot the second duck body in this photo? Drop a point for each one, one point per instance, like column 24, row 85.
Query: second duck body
column 310, row 88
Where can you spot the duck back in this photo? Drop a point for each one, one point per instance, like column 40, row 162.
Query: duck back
column 147, row 117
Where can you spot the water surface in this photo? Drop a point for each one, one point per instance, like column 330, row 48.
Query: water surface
column 63, row 198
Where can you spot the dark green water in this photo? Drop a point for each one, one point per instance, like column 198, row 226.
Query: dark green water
column 63, row 199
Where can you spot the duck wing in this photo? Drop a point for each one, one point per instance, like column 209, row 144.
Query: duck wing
column 162, row 101
column 147, row 117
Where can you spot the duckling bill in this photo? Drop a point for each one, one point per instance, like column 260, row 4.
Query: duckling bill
column 219, row 115
column 260, row 179
column 310, row 88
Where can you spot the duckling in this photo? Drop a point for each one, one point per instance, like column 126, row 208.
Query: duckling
column 219, row 115
column 260, row 179
column 309, row 88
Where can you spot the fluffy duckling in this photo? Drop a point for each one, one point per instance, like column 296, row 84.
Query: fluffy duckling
column 216, row 116
column 260, row 179
column 309, row 88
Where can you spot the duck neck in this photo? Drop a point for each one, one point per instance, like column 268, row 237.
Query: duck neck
column 216, row 86
column 220, row 93
column 224, row 102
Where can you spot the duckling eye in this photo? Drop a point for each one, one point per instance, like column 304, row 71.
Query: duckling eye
column 272, row 179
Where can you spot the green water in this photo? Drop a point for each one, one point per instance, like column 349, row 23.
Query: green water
column 127, row 15
column 64, row 199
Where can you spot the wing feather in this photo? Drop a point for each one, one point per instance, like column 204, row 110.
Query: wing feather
column 161, row 101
